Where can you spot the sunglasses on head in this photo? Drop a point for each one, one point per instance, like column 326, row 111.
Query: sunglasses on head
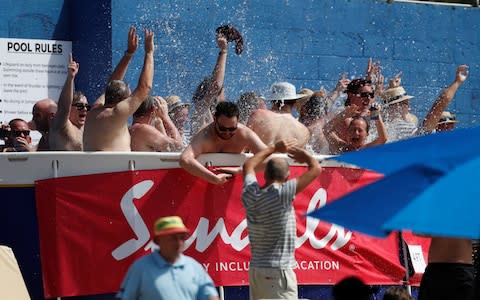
column 18, row 133
column 224, row 129
column 82, row 106
column 366, row 94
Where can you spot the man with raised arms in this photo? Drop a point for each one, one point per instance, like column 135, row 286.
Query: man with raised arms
column 106, row 128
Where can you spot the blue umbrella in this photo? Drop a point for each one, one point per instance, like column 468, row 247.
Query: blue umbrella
column 450, row 147
column 425, row 198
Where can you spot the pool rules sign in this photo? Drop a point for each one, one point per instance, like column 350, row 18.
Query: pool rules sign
column 30, row 70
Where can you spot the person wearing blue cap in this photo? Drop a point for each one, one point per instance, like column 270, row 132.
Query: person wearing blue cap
column 167, row 273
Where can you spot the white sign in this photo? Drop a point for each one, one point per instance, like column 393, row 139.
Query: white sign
column 418, row 261
column 30, row 70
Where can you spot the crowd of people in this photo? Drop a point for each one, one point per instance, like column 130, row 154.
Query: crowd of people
column 282, row 120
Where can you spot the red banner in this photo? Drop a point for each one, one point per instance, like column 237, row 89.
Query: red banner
column 93, row 227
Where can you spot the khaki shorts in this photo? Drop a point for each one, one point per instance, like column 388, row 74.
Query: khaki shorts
column 268, row 283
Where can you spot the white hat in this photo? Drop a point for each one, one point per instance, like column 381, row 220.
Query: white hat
column 283, row 91
column 174, row 101
column 395, row 95
column 447, row 117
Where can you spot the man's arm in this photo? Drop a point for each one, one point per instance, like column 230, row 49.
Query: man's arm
column 441, row 103
column 122, row 66
column 258, row 159
column 314, row 169
column 218, row 75
column 170, row 129
column 144, row 85
column 66, row 96
column 188, row 161
column 254, row 143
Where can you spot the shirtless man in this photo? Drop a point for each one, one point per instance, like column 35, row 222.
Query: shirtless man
column 224, row 135
column 360, row 96
column 279, row 124
column 106, row 128
column 449, row 273
column 43, row 112
column 152, row 129
column 66, row 130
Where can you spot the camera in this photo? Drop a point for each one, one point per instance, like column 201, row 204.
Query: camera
column 4, row 133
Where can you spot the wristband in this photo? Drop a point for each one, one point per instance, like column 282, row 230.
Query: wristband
column 127, row 54
column 222, row 52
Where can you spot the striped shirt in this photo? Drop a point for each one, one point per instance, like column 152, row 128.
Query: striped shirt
column 271, row 223
column 400, row 129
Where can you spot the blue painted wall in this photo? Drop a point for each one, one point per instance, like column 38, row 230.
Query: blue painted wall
column 310, row 43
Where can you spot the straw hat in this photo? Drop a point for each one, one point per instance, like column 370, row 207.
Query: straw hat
column 174, row 102
column 307, row 94
column 283, row 91
column 395, row 95
column 169, row 225
column 447, row 117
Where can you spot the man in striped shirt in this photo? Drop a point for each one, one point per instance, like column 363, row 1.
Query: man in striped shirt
column 271, row 220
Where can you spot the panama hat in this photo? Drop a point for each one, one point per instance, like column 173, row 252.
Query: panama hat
column 174, row 101
column 283, row 91
column 395, row 95
column 169, row 225
column 447, row 117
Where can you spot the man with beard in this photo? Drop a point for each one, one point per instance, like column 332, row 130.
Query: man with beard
column 66, row 130
column 224, row 135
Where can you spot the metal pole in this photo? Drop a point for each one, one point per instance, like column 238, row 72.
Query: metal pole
column 222, row 292
column 405, row 263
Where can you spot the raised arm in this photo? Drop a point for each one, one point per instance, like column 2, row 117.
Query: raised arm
column 382, row 134
column 313, row 171
column 258, row 159
column 339, row 89
column 66, row 96
column 122, row 66
column 218, row 74
column 441, row 103
column 170, row 128
column 144, row 85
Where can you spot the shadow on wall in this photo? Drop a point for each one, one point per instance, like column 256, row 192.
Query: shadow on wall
column 40, row 26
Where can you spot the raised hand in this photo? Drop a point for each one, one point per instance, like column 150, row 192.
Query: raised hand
column 373, row 70
column 162, row 106
column 132, row 40
column 342, row 83
column 149, row 44
column 462, row 73
column 72, row 66
column 298, row 154
column 396, row 80
column 222, row 42
column 282, row 146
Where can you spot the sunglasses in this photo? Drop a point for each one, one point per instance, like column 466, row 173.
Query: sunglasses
column 366, row 94
column 224, row 129
column 82, row 106
column 18, row 133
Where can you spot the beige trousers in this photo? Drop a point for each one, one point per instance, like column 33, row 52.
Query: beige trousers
column 268, row 283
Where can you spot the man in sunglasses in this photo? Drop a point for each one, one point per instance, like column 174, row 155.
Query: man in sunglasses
column 360, row 96
column 17, row 137
column 66, row 130
column 224, row 135
column 106, row 127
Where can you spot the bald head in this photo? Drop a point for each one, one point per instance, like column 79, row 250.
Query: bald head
column 43, row 112
column 277, row 169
